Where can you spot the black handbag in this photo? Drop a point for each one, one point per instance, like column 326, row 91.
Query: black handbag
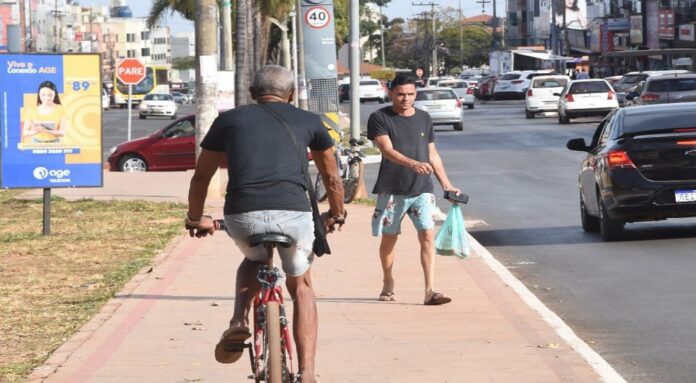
column 320, row 245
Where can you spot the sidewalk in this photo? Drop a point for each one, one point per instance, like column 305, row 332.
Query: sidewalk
column 165, row 323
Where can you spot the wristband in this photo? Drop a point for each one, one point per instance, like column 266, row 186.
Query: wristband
column 191, row 221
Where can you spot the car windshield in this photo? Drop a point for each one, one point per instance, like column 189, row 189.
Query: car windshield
column 511, row 76
column 433, row 95
column 589, row 87
column 550, row 83
column 672, row 85
column 158, row 97
column 632, row 78
column 369, row 82
column 633, row 124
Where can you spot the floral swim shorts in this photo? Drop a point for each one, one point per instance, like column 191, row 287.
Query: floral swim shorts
column 391, row 209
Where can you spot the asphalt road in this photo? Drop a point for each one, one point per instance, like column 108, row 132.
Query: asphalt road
column 633, row 301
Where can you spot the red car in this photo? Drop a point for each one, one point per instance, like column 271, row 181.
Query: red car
column 170, row 148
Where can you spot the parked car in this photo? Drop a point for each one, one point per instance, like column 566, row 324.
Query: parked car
column 178, row 97
column 158, row 104
column 583, row 98
column 542, row 95
column 343, row 92
column 640, row 166
column 462, row 89
column 629, row 80
column 372, row 90
column 105, row 100
column 515, row 84
column 664, row 89
column 442, row 104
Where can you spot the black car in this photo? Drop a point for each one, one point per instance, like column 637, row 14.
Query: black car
column 641, row 166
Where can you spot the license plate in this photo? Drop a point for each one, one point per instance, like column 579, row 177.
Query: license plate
column 434, row 107
column 685, row 195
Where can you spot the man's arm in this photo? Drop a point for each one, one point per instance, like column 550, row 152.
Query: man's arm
column 206, row 165
column 385, row 146
column 439, row 169
column 326, row 164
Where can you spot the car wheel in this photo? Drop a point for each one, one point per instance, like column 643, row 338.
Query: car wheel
column 459, row 126
column 173, row 117
column 142, row 117
column 470, row 106
column 381, row 101
column 590, row 224
column 610, row 229
column 132, row 163
column 528, row 114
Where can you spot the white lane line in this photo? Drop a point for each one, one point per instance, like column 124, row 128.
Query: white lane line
column 603, row 369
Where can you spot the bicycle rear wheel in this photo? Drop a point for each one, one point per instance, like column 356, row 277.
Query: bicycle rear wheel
column 274, row 363
column 320, row 189
column 352, row 181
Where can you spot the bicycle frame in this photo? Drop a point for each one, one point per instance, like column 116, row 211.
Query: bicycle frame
column 271, row 291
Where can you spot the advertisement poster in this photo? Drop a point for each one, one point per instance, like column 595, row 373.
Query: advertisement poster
column 50, row 124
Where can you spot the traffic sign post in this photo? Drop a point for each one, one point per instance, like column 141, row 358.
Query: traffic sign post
column 130, row 72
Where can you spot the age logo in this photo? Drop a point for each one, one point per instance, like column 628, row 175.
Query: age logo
column 40, row 173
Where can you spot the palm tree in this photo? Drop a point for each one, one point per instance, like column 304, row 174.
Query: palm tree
column 186, row 8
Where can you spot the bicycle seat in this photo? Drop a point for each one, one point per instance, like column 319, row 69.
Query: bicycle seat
column 276, row 239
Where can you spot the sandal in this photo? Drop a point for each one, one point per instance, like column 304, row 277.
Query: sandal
column 387, row 297
column 231, row 345
column 437, row 299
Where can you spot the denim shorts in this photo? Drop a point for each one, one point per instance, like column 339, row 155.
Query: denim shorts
column 298, row 225
column 391, row 209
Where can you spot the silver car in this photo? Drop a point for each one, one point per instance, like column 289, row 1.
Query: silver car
column 442, row 104
column 665, row 89
column 463, row 90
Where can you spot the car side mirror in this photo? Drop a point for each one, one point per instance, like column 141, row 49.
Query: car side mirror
column 577, row 144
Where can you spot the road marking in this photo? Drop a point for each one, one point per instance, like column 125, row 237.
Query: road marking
column 605, row 371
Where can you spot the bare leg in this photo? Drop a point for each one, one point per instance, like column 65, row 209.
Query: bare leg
column 246, row 289
column 305, row 323
column 427, row 255
column 386, row 255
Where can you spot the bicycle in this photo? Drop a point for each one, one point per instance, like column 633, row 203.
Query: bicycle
column 271, row 353
column 350, row 167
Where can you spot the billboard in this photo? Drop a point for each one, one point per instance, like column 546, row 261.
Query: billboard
column 50, row 127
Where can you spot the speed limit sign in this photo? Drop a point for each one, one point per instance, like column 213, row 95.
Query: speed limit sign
column 317, row 17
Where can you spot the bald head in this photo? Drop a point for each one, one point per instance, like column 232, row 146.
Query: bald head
column 273, row 80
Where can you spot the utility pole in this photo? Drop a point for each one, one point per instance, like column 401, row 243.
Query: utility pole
column 293, row 15
column 206, row 73
column 495, row 25
column 301, row 79
column 227, row 61
column 22, row 27
column 354, row 18
column 461, row 38
column 381, row 35
column 435, row 71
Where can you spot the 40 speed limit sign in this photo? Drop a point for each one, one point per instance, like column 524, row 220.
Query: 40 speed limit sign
column 317, row 17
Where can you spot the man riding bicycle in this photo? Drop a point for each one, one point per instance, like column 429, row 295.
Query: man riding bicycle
column 266, row 192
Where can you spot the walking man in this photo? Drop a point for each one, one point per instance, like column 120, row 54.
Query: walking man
column 266, row 192
column 406, row 138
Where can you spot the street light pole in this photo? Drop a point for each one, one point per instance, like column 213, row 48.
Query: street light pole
column 381, row 35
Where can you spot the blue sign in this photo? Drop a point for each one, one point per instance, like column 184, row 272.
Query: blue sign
column 50, row 127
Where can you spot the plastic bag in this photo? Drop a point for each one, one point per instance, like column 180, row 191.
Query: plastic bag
column 452, row 238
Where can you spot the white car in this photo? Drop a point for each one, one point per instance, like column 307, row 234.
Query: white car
column 582, row 98
column 372, row 90
column 158, row 104
column 442, row 104
column 106, row 100
column 514, row 84
column 542, row 95
column 462, row 89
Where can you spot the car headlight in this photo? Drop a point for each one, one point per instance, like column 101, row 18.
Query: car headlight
column 142, row 106
column 113, row 150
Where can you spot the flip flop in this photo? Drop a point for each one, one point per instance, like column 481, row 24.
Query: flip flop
column 387, row 297
column 231, row 345
column 437, row 299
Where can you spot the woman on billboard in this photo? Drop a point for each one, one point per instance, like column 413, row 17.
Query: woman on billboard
column 46, row 123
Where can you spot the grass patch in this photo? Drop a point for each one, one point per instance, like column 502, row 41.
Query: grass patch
column 364, row 201
column 50, row 286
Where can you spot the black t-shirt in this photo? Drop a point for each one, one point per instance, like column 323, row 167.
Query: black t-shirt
column 264, row 167
column 410, row 136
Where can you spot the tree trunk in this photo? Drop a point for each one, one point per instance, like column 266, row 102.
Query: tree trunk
column 241, row 75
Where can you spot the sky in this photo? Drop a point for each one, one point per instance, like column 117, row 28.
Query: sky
column 396, row 8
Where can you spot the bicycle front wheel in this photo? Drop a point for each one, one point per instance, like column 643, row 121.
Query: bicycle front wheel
column 353, row 180
column 274, row 366
column 320, row 189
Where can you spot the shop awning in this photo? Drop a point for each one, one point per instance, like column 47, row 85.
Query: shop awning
column 544, row 56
